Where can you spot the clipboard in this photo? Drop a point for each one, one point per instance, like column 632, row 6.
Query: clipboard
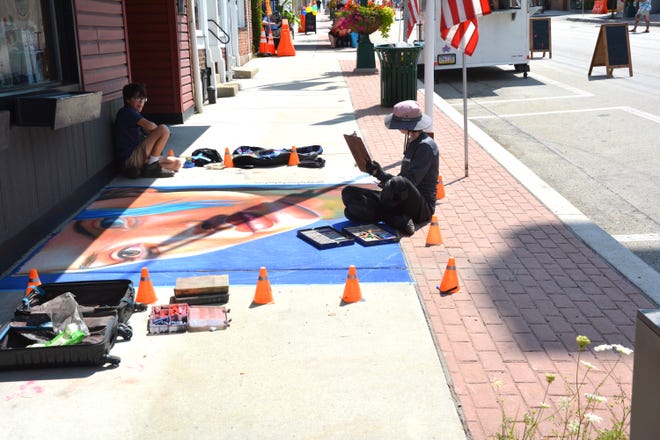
column 358, row 150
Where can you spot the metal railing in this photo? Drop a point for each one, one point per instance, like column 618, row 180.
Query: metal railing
column 226, row 38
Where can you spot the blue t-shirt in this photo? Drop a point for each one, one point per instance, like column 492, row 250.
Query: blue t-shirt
column 128, row 134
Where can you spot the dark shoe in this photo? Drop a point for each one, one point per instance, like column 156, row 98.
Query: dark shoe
column 409, row 229
column 154, row 170
column 131, row 172
column 403, row 224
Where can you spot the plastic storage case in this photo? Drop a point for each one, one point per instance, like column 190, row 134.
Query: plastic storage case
column 208, row 318
column 169, row 318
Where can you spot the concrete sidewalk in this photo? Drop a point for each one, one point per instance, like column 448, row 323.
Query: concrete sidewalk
column 307, row 366
column 406, row 363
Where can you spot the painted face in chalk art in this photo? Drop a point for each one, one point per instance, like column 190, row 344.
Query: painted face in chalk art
column 127, row 225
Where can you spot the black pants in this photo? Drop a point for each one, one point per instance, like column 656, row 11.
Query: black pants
column 398, row 202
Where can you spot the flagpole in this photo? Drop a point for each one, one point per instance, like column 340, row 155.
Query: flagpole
column 401, row 25
column 429, row 55
column 465, row 118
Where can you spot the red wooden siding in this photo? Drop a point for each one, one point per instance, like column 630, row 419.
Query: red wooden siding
column 186, row 64
column 160, row 55
column 102, row 46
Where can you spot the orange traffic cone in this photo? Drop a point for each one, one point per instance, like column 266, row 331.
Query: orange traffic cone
column 271, row 44
column 294, row 160
column 352, row 292
column 263, row 294
column 146, row 293
column 449, row 282
column 263, row 45
column 229, row 162
column 434, row 236
column 301, row 24
column 170, row 153
column 33, row 280
column 440, row 189
column 285, row 48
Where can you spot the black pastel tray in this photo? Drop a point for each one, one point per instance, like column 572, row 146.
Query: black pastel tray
column 372, row 234
column 325, row 237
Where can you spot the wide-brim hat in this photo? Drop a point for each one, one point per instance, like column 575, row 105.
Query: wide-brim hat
column 407, row 115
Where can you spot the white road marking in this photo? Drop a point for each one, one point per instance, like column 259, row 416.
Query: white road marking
column 632, row 238
column 633, row 111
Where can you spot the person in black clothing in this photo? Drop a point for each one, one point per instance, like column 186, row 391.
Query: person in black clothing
column 407, row 199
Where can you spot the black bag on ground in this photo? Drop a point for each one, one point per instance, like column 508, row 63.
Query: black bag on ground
column 258, row 157
column 205, row 156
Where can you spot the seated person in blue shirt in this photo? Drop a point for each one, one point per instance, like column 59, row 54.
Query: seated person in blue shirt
column 271, row 23
column 139, row 142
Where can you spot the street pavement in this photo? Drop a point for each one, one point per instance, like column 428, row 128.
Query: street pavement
column 407, row 362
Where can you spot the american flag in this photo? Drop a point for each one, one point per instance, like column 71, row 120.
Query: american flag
column 458, row 22
column 411, row 16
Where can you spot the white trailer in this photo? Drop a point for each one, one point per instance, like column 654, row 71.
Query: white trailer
column 503, row 39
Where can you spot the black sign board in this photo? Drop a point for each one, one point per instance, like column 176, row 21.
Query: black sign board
column 310, row 23
column 612, row 48
column 540, row 38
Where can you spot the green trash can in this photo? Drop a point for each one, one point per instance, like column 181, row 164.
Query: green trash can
column 398, row 73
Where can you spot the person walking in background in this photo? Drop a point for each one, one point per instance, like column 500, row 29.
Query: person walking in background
column 407, row 199
column 643, row 11
column 140, row 142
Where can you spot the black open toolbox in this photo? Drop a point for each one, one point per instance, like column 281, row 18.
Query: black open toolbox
column 94, row 350
column 105, row 306
column 93, row 297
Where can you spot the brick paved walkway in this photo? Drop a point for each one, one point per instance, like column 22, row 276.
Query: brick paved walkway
column 529, row 286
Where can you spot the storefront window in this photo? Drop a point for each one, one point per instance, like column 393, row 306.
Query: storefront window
column 28, row 56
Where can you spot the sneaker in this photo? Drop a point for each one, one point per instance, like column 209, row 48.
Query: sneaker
column 154, row 170
column 409, row 229
column 131, row 172
column 403, row 224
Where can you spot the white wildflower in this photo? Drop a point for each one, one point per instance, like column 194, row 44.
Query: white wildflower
column 603, row 347
column 596, row 397
column 593, row 418
column 621, row 349
column 574, row 427
column 589, row 365
column 564, row 402
column 497, row 383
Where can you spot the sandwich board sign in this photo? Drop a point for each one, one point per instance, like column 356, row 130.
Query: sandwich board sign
column 612, row 48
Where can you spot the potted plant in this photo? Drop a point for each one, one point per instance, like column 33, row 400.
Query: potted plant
column 366, row 18
column 287, row 13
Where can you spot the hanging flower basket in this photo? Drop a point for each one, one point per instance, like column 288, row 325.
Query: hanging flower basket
column 366, row 19
column 365, row 26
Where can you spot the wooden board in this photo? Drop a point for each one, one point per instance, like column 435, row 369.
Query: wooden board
column 208, row 284
column 358, row 150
